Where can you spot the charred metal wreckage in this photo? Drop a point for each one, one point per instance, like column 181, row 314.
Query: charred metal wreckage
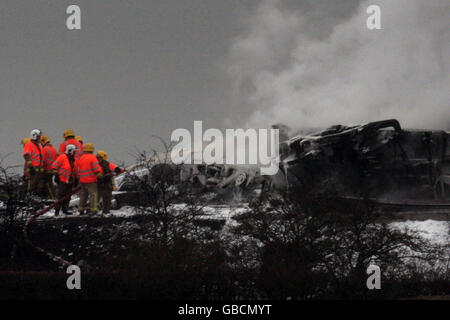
column 379, row 159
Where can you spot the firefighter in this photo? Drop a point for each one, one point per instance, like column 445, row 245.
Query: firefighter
column 49, row 155
column 32, row 153
column 106, row 183
column 69, row 138
column 88, row 170
column 23, row 142
column 80, row 140
column 26, row 175
column 64, row 166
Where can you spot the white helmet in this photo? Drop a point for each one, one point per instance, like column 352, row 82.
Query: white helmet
column 34, row 134
column 70, row 149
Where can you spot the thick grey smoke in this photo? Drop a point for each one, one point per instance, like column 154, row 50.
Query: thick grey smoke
column 352, row 74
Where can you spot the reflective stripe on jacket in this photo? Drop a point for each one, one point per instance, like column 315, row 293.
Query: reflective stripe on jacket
column 76, row 143
column 87, row 168
column 35, row 152
column 63, row 166
column 49, row 155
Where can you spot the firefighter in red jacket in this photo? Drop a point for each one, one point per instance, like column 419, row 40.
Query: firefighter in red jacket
column 64, row 166
column 106, row 183
column 87, row 170
column 80, row 140
column 23, row 142
column 32, row 153
column 69, row 138
column 26, row 175
column 49, row 155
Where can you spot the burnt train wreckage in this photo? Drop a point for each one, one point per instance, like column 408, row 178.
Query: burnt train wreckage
column 380, row 158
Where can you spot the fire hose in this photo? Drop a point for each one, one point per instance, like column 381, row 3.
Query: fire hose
column 55, row 258
column 40, row 213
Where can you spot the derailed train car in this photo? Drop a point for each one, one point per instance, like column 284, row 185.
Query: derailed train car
column 214, row 183
column 379, row 159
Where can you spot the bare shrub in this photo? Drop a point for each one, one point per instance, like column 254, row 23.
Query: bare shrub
column 14, row 205
column 318, row 245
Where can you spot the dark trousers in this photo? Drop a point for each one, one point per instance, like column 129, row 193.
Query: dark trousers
column 63, row 190
column 105, row 193
column 47, row 184
column 35, row 183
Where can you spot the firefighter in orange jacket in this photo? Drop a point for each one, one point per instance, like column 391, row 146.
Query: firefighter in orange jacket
column 80, row 140
column 49, row 155
column 87, row 170
column 106, row 183
column 69, row 138
column 32, row 153
column 64, row 166
column 24, row 141
column 26, row 176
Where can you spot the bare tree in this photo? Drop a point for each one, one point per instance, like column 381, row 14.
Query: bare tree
column 14, row 205
column 170, row 205
column 319, row 245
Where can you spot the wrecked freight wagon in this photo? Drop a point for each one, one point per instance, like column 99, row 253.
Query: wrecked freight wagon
column 214, row 183
column 379, row 159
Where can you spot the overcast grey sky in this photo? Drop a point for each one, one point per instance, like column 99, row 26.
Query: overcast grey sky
column 136, row 68
column 143, row 68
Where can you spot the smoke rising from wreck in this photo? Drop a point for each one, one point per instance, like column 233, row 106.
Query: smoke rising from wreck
column 352, row 74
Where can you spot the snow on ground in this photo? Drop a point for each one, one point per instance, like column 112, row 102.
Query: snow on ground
column 435, row 231
column 225, row 212
column 124, row 212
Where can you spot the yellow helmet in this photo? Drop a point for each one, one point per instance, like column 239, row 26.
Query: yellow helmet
column 25, row 141
column 79, row 139
column 89, row 147
column 102, row 154
column 45, row 139
column 68, row 133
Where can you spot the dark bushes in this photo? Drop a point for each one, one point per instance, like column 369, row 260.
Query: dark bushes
column 316, row 246
column 295, row 245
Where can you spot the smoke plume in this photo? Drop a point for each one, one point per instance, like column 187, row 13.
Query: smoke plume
column 287, row 74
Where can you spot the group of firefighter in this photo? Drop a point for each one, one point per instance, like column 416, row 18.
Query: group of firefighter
column 74, row 166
